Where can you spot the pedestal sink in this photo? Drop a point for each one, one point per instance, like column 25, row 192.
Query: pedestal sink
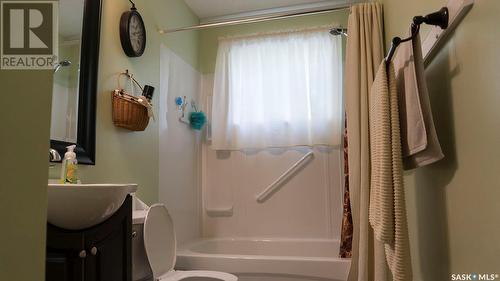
column 79, row 206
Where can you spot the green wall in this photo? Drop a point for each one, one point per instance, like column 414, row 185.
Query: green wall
column 122, row 155
column 24, row 144
column 209, row 37
column 453, row 205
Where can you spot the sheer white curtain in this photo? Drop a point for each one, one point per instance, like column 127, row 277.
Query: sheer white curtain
column 278, row 90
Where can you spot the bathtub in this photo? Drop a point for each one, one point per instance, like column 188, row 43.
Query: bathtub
column 267, row 259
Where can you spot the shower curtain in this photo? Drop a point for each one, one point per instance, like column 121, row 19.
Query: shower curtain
column 364, row 54
column 346, row 231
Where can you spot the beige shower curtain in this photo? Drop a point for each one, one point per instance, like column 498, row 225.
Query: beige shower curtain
column 363, row 56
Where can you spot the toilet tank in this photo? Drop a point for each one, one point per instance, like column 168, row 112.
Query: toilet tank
column 141, row 271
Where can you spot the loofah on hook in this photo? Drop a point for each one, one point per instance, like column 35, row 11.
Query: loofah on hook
column 197, row 119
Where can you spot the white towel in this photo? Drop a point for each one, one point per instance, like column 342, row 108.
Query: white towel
column 419, row 140
column 387, row 211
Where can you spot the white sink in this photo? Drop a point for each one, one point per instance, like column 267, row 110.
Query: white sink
column 79, row 206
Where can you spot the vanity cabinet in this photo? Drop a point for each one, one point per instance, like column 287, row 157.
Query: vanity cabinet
column 99, row 253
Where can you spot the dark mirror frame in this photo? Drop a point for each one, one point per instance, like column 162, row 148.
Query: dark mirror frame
column 87, row 92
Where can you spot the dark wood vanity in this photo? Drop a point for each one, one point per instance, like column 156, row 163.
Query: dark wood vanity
column 99, row 253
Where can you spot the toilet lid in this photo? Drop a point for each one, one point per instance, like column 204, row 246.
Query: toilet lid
column 159, row 240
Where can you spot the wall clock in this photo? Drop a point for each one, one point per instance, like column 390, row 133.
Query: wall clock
column 132, row 33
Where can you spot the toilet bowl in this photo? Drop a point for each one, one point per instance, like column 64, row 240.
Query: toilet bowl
column 160, row 247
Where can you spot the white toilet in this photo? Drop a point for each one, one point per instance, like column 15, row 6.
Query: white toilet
column 160, row 249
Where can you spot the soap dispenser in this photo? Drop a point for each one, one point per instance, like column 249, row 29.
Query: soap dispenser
column 69, row 166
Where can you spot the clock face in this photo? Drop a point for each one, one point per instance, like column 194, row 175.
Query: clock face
column 132, row 33
column 136, row 33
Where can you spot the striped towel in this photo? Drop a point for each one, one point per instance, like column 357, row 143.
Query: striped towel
column 387, row 211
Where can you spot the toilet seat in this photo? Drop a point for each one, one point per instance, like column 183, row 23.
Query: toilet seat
column 160, row 245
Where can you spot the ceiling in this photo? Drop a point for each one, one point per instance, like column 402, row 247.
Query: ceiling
column 70, row 19
column 212, row 9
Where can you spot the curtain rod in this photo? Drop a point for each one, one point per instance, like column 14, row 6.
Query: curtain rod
column 253, row 20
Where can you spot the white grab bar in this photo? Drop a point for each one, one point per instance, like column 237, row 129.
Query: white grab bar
column 261, row 197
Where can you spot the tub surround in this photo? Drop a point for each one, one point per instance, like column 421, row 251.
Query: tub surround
column 179, row 146
column 232, row 180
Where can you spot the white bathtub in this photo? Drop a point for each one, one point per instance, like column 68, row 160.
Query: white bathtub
column 267, row 260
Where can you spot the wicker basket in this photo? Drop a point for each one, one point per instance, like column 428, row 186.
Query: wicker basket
column 129, row 113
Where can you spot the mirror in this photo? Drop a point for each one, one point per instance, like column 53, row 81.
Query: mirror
column 75, row 79
column 65, row 89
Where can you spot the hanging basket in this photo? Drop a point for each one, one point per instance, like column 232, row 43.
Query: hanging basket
column 129, row 111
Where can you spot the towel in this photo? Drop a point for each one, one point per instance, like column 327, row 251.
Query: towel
column 387, row 211
column 419, row 140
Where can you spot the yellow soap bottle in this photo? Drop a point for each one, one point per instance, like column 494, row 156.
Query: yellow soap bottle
column 69, row 166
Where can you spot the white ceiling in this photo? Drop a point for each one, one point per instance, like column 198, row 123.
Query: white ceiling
column 70, row 19
column 210, row 9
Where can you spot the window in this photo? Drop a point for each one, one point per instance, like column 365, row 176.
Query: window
column 278, row 90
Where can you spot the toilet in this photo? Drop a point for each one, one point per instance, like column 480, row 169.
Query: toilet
column 159, row 248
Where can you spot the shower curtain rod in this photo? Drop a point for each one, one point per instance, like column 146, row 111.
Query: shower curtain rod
column 253, row 20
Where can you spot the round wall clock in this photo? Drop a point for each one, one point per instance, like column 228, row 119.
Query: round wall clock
column 132, row 33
